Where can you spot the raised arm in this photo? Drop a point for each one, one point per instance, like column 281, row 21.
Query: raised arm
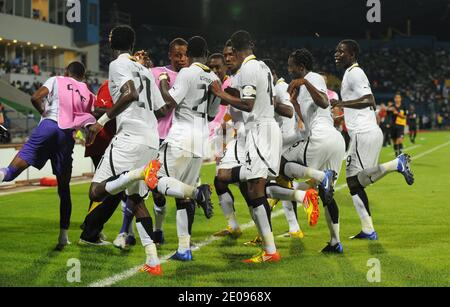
column 245, row 105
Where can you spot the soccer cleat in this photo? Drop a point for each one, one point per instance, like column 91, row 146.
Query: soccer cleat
column 158, row 237
column 333, row 249
column 404, row 169
column 152, row 270
column 273, row 202
column 99, row 242
column 326, row 186
column 362, row 235
column 234, row 233
column 150, row 174
column 121, row 241
column 311, row 206
column 255, row 242
column 296, row 234
column 186, row 256
column 203, row 199
column 264, row 257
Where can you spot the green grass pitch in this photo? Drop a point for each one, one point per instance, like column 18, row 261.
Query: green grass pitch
column 412, row 223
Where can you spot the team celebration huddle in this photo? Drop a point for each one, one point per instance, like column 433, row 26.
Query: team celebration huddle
column 149, row 129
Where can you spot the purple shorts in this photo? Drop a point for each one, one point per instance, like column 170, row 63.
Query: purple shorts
column 46, row 142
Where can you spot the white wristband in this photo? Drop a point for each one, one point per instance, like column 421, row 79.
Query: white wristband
column 103, row 120
column 162, row 76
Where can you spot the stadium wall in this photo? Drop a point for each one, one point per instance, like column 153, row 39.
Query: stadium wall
column 81, row 164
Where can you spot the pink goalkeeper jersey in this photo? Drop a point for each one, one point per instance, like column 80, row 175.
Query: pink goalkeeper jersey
column 75, row 104
column 332, row 95
column 165, row 122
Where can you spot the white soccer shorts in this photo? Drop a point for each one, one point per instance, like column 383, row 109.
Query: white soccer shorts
column 364, row 151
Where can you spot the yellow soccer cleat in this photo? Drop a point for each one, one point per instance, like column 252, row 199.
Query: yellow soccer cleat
column 297, row 234
column 150, row 174
column 255, row 242
column 262, row 256
column 273, row 202
column 234, row 233
column 311, row 206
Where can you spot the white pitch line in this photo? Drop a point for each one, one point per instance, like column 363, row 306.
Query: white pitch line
column 133, row 271
column 415, row 157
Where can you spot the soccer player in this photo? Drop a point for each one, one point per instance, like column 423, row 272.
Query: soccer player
column 412, row 123
column 53, row 138
column 400, row 118
column 183, row 149
column 178, row 60
column 291, row 134
column 264, row 141
column 234, row 156
column 323, row 149
column 366, row 138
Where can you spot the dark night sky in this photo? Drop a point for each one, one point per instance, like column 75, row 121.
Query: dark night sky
column 299, row 17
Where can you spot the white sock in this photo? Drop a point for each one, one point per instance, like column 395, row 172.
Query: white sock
column 152, row 255
column 118, row 185
column 130, row 229
column 390, row 166
column 263, row 225
column 184, row 239
column 160, row 214
column 172, row 187
column 295, row 170
column 290, row 216
column 366, row 219
column 302, row 186
column 226, row 203
column 333, row 228
column 145, row 237
column 279, row 192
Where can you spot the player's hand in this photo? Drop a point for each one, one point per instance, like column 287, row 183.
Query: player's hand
column 293, row 96
column 336, row 103
column 164, row 76
column 295, row 85
column 92, row 133
column 216, row 88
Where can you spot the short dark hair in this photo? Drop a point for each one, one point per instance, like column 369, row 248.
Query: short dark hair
column 217, row 56
column 177, row 42
column 76, row 69
column 271, row 64
column 197, row 47
column 122, row 38
column 353, row 46
column 229, row 43
column 303, row 57
column 241, row 40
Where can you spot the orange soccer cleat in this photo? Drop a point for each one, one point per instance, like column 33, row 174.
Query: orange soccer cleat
column 152, row 270
column 150, row 174
column 311, row 206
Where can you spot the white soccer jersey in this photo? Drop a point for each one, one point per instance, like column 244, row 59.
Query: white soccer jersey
column 315, row 118
column 237, row 116
column 190, row 91
column 51, row 101
column 288, row 125
column 257, row 83
column 137, row 123
column 354, row 86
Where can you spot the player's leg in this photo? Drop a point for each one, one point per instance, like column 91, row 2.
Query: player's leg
column 144, row 225
column 15, row 168
column 159, row 209
column 364, row 152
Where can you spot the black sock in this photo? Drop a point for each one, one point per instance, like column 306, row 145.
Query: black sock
column 363, row 195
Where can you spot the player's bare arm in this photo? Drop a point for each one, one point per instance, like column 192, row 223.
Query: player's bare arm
column 245, row 105
column 129, row 94
column 295, row 104
column 360, row 103
column 320, row 98
column 170, row 102
column 36, row 99
column 282, row 109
